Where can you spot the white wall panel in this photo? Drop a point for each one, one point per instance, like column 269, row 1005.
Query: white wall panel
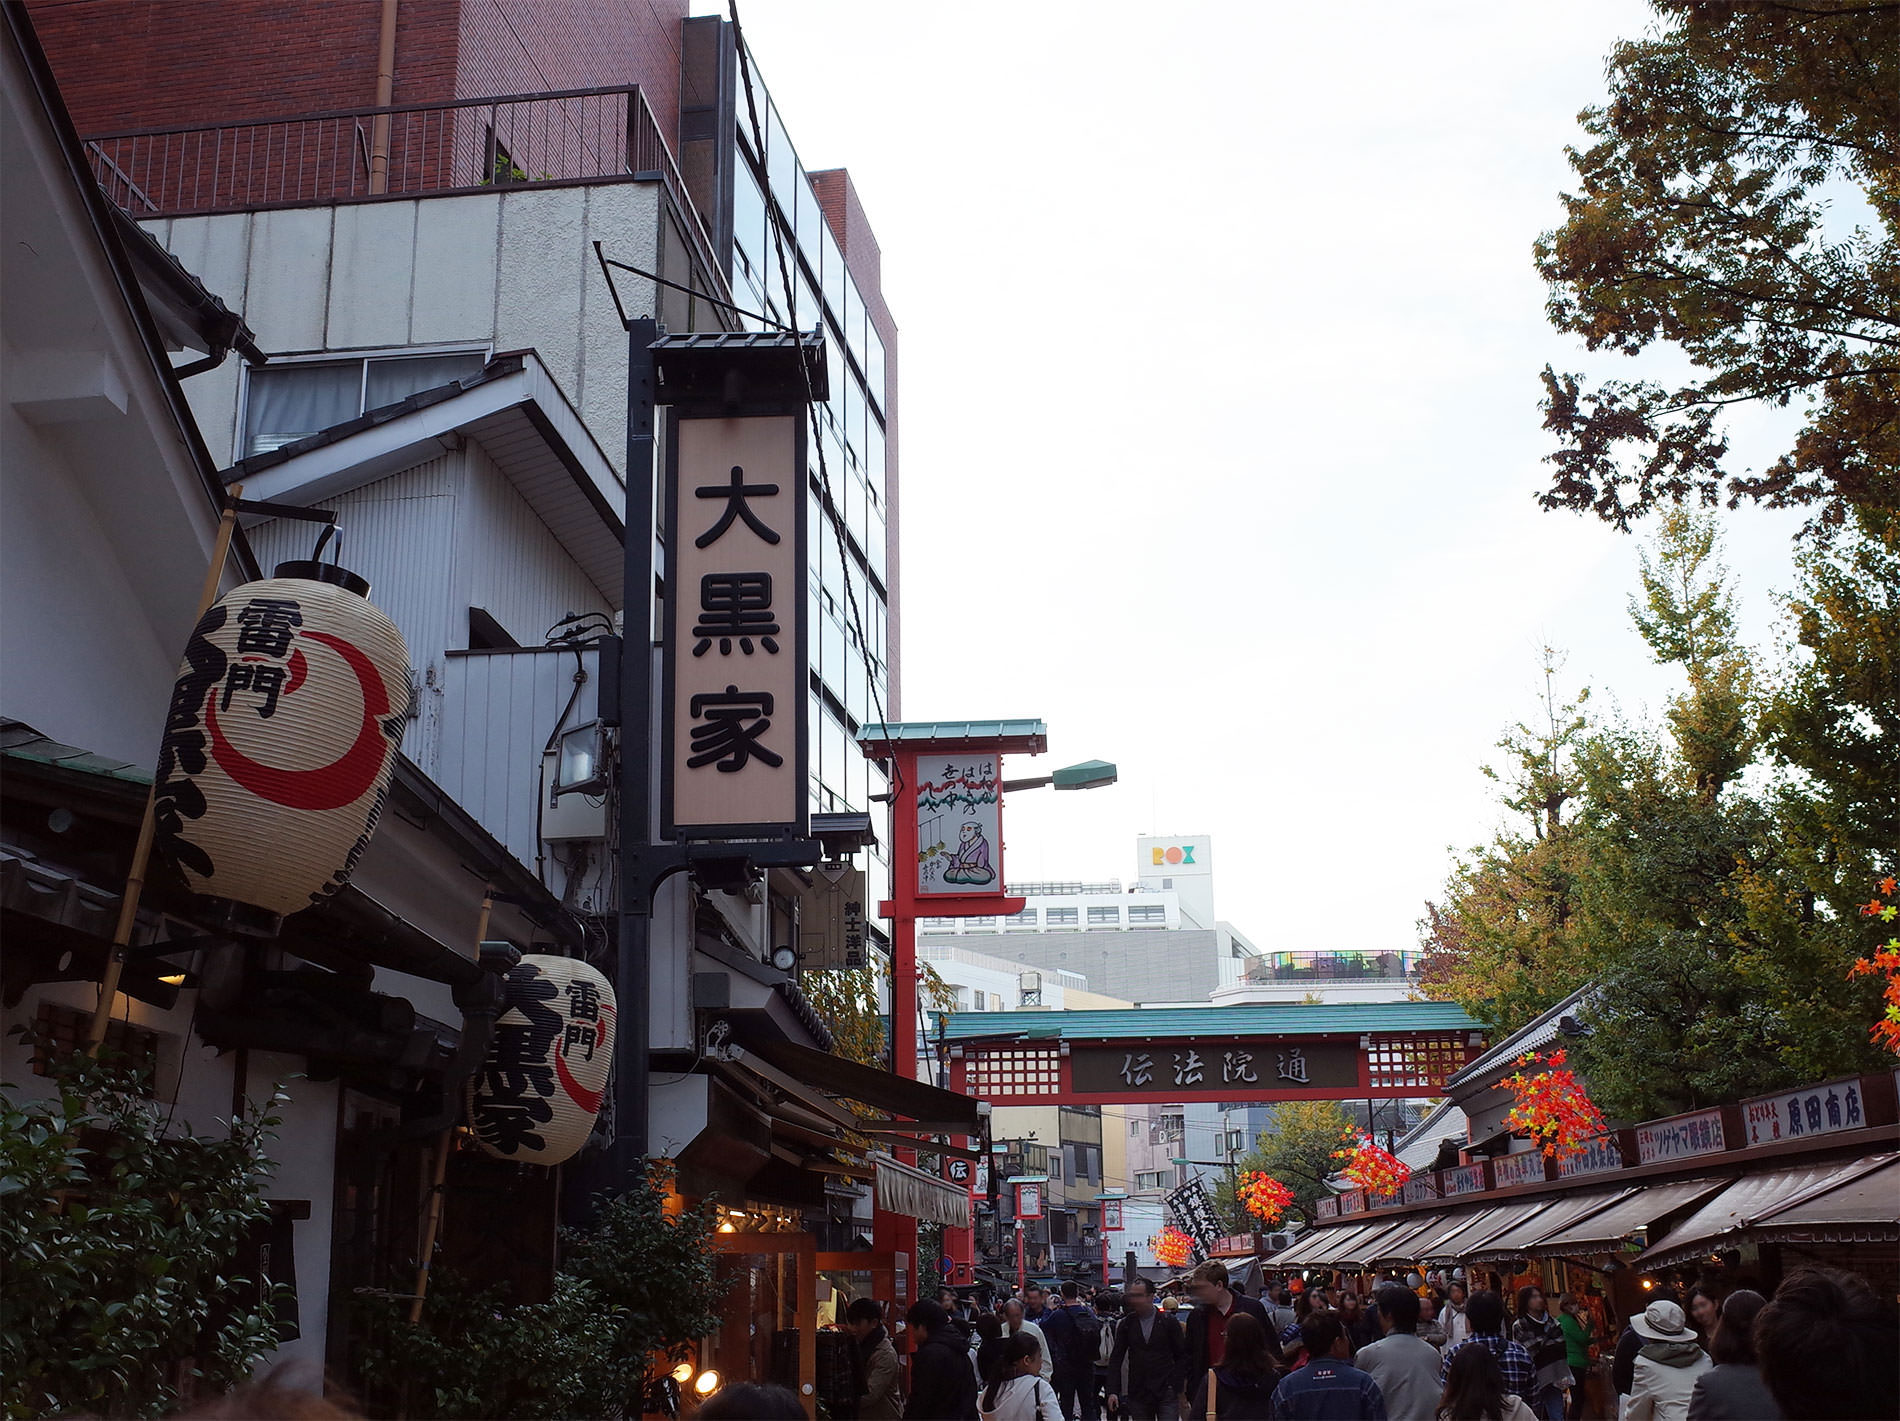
column 287, row 296
column 498, row 711
column 396, row 532
column 370, row 270
column 514, row 567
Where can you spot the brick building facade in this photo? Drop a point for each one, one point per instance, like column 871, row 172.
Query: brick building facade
column 130, row 64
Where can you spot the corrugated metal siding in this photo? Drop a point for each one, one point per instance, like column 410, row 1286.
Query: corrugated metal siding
column 396, row 532
column 522, row 576
column 498, row 710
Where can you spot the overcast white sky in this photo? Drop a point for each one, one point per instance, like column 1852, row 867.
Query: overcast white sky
column 1220, row 438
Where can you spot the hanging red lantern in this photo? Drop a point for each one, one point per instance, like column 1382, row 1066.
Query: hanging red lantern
column 535, row 1098
column 280, row 741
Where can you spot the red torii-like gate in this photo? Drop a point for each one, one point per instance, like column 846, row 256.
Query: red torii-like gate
column 1254, row 1054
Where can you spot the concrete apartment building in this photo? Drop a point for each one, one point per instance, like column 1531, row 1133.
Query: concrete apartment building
column 1156, row 940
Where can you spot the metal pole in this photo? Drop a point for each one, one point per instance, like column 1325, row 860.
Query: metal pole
column 634, row 964
column 1022, row 1259
column 142, row 850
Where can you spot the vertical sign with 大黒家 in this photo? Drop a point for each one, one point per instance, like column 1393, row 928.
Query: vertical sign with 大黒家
column 734, row 758
column 959, row 824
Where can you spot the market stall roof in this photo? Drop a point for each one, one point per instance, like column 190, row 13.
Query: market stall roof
column 1524, row 1237
column 1478, row 1230
column 1314, row 1249
column 1361, row 1251
column 1851, row 1199
column 1609, row 1227
column 1399, row 1245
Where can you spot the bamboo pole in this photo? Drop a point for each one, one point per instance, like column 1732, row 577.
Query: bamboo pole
column 142, row 850
column 432, row 1220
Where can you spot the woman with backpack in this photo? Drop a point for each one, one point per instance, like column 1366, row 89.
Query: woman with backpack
column 1241, row 1387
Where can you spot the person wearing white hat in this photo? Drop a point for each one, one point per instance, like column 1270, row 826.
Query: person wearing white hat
column 1667, row 1365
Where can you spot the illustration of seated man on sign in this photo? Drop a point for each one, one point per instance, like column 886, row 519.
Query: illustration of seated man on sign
column 971, row 862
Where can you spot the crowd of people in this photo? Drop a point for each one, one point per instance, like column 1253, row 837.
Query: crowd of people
column 1823, row 1347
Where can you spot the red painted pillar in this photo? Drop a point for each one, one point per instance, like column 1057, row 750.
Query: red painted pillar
column 959, row 1245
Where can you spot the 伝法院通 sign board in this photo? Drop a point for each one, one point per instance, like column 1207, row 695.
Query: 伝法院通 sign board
column 1157, row 1070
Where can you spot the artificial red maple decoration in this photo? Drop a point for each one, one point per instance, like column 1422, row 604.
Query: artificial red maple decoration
column 1370, row 1168
column 1263, row 1195
column 1172, row 1247
column 1552, row 1106
column 1886, row 959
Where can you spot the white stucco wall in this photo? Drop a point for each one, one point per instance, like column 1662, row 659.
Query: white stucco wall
column 513, row 269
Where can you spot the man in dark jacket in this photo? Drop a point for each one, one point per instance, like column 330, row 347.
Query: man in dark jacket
column 1148, row 1364
column 1215, row 1302
column 942, row 1383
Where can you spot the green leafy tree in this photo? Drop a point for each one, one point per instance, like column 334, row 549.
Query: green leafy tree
column 1296, row 1149
column 120, row 1240
column 1709, row 862
column 1699, row 222
column 1502, row 941
column 634, row 1290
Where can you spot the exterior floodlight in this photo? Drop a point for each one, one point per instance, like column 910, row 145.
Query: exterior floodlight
column 683, row 1372
column 1090, row 774
column 580, row 765
column 708, row 1383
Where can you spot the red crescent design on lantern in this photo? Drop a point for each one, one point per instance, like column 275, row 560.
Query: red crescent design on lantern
column 299, row 672
column 343, row 781
column 588, row 1100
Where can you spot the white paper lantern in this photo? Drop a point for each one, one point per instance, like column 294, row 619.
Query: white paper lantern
column 280, row 740
column 535, row 1098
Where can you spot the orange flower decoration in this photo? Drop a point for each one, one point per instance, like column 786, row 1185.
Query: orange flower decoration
column 1172, row 1247
column 1263, row 1196
column 1885, row 960
column 1370, row 1168
column 1552, row 1106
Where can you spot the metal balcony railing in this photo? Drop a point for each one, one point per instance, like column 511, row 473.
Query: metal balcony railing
column 403, row 150
column 1333, row 967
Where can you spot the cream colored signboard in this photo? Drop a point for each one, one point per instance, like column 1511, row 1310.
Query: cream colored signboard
column 735, row 659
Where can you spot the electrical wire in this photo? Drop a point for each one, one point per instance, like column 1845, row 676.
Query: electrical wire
column 811, row 401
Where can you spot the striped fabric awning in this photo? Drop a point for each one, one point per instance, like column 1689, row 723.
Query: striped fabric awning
column 924, row 1197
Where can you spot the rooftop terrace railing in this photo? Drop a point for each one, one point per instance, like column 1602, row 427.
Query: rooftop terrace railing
column 402, row 150
column 1332, row 966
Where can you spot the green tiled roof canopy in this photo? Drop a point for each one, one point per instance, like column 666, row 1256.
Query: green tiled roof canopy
column 1166, row 1023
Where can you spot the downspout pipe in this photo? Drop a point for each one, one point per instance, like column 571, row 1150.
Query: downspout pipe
column 385, row 96
column 480, row 1001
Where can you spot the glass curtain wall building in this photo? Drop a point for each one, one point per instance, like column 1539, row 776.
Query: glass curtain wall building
column 784, row 260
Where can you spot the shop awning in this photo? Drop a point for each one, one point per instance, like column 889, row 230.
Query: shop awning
column 1601, row 1232
column 924, row 1108
column 1474, row 1231
column 1845, row 1202
column 920, row 1196
column 1401, row 1247
column 1360, row 1252
column 1313, row 1250
column 1522, row 1238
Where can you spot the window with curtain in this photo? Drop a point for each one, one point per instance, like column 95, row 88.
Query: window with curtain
column 286, row 403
